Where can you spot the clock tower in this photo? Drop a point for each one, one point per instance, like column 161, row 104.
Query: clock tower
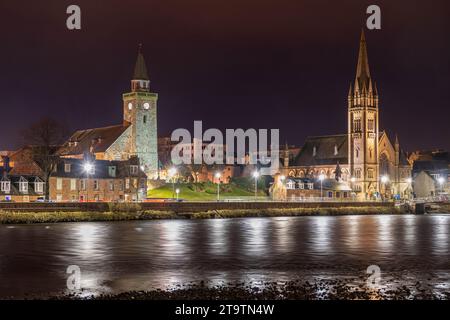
column 139, row 111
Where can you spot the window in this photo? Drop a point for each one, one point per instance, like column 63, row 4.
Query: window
column 370, row 125
column 39, row 187
column 59, row 197
column 356, row 125
column 112, row 171
column 5, row 186
column 330, row 194
column 73, row 184
column 58, row 184
column 135, row 183
column 301, row 185
column 82, row 184
column 67, row 167
column 145, row 119
column 111, row 185
column 127, row 183
column 370, row 173
column 95, row 184
column 133, row 169
column 121, row 185
column 23, row 185
column 358, row 173
column 310, row 186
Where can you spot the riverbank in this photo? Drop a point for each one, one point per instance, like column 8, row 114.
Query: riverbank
column 288, row 290
column 25, row 217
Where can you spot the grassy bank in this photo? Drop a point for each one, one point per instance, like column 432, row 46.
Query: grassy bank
column 128, row 213
column 206, row 191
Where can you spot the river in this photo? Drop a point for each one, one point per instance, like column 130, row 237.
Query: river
column 140, row 255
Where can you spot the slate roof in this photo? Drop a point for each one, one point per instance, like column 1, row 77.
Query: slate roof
column 101, row 169
column 100, row 139
column 14, row 186
column 324, row 151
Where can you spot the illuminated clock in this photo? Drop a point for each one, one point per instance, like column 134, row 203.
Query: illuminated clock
column 130, row 106
column 146, row 106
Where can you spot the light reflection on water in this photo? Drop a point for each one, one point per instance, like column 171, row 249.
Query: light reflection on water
column 142, row 255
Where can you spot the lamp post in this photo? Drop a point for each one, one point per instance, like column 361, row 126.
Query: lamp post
column 321, row 178
column 409, row 182
column 384, row 181
column 218, row 175
column 256, row 175
column 177, row 191
column 172, row 172
column 441, row 181
column 88, row 169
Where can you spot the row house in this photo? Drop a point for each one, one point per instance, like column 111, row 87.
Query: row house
column 98, row 180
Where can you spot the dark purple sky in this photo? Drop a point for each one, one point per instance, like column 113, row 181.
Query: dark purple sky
column 283, row 64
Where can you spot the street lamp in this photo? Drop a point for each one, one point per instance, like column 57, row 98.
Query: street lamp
column 88, row 167
column 172, row 172
column 282, row 178
column 177, row 192
column 321, row 178
column 256, row 175
column 384, row 181
column 441, row 181
column 218, row 175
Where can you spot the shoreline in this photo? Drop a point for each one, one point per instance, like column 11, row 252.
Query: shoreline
column 355, row 288
column 25, row 217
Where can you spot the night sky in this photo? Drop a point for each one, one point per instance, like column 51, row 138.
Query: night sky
column 283, row 64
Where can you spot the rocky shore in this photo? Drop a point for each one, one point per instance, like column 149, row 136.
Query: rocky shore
column 289, row 290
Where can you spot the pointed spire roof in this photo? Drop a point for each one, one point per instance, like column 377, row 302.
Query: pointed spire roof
column 140, row 69
column 362, row 69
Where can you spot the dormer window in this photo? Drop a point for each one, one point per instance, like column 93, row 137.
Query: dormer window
column 336, row 150
column 23, row 185
column 112, row 171
column 67, row 167
column 5, row 186
column 314, row 151
column 38, row 186
column 134, row 169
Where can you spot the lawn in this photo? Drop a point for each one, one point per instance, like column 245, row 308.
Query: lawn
column 203, row 191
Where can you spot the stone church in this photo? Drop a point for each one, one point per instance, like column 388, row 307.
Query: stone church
column 135, row 136
column 364, row 154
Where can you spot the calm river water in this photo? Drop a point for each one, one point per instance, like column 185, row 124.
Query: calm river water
column 140, row 255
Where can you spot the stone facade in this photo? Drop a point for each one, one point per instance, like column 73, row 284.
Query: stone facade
column 364, row 154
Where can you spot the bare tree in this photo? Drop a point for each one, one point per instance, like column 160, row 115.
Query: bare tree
column 44, row 137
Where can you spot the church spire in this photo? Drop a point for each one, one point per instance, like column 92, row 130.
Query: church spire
column 140, row 69
column 362, row 69
column 140, row 81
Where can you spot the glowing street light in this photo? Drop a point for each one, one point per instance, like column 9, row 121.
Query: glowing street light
column 177, row 191
column 409, row 180
column 256, row 175
column 218, row 175
column 441, row 181
column 282, row 178
column 384, row 180
column 172, row 172
column 321, row 178
column 88, row 168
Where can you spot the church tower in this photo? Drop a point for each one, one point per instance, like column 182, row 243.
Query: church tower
column 139, row 111
column 363, row 127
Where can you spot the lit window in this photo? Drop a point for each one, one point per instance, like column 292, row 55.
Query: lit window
column 111, row 185
column 39, row 187
column 73, row 184
column 58, row 184
column 5, row 186
column 23, row 185
column 134, row 169
column 67, row 167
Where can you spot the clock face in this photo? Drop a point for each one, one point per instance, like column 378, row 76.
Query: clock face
column 130, row 106
column 146, row 106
